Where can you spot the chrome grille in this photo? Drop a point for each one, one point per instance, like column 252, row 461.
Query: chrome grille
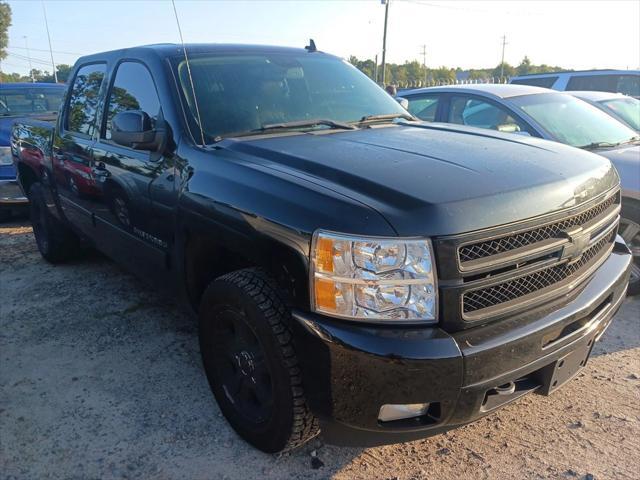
column 519, row 287
column 488, row 248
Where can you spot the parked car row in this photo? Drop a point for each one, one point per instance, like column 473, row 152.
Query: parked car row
column 556, row 116
column 353, row 268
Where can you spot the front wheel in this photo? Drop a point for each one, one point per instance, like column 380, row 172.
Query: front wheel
column 250, row 361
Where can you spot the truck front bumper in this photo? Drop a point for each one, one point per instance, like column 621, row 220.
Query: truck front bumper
column 351, row 370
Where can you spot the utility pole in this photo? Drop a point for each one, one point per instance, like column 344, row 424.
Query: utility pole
column 46, row 23
column 384, row 40
column 26, row 44
column 424, row 63
column 375, row 70
column 504, row 42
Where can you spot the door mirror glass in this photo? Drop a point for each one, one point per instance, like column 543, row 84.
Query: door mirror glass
column 133, row 129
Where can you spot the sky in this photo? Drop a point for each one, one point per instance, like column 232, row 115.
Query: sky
column 572, row 34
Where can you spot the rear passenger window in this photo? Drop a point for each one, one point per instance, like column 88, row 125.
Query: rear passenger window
column 83, row 102
column 600, row 83
column 544, row 82
column 133, row 89
column 423, row 107
column 629, row 85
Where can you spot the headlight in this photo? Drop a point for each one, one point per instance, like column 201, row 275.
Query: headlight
column 373, row 279
column 5, row 156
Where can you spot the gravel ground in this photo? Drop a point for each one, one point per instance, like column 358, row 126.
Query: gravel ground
column 100, row 377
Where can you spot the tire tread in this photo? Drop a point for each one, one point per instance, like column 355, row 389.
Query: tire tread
column 265, row 293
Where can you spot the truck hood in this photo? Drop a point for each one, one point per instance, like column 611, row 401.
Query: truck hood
column 430, row 179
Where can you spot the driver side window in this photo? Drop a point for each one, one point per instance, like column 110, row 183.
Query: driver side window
column 133, row 89
column 479, row 113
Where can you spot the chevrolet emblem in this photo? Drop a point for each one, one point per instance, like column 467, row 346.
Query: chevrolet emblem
column 578, row 242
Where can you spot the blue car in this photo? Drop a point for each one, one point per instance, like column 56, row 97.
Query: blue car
column 19, row 100
column 552, row 115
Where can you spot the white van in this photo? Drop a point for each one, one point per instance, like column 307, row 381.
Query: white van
column 616, row 81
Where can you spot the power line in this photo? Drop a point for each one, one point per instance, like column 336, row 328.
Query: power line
column 39, row 61
column 46, row 50
column 26, row 43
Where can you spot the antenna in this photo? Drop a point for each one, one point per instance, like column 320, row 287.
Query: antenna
column 186, row 59
column 311, row 47
column 46, row 24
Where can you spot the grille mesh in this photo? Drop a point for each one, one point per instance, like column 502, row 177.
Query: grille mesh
column 511, row 242
column 510, row 290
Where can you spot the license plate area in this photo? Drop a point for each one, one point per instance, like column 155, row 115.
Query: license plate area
column 556, row 374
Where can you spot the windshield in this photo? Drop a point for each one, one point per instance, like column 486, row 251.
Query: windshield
column 627, row 108
column 241, row 93
column 21, row 101
column 573, row 121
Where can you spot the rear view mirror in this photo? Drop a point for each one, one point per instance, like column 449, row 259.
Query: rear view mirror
column 404, row 102
column 134, row 129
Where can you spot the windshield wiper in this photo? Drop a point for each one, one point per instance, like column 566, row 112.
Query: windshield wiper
column 595, row 145
column 284, row 126
column 384, row 117
column 304, row 124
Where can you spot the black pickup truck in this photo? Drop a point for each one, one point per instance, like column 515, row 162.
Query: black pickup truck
column 352, row 268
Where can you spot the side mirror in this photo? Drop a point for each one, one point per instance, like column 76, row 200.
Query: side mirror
column 404, row 102
column 134, row 129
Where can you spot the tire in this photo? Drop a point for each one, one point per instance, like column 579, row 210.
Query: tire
column 630, row 231
column 250, row 361
column 56, row 242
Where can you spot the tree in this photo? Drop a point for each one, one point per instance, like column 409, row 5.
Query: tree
column 63, row 74
column 13, row 78
column 5, row 23
column 443, row 75
column 525, row 66
column 504, row 70
column 479, row 74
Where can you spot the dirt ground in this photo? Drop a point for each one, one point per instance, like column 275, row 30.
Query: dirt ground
column 100, row 377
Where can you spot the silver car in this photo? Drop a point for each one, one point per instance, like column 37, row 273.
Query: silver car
column 551, row 115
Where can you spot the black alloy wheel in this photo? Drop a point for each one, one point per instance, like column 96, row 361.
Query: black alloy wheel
column 241, row 364
column 251, row 363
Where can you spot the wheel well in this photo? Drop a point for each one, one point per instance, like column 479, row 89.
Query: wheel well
column 27, row 177
column 206, row 259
